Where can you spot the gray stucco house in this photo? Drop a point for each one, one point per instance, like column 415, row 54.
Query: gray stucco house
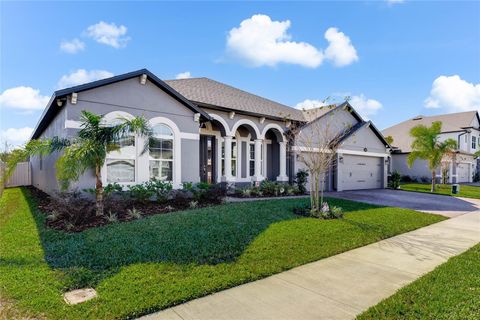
column 206, row 131
column 463, row 127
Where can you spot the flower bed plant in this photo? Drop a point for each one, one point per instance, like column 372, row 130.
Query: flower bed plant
column 268, row 189
column 75, row 211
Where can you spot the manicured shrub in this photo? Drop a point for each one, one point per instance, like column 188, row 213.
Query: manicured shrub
column 269, row 188
column 407, row 178
column 325, row 212
column 301, row 179
column 394, row 180
column 161, row 189
column 425, row 179
column 141, row 192
column 187, row 186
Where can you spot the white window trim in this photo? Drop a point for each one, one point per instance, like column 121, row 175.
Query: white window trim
column 114, row 115
column 177, row 151
column 164, row 137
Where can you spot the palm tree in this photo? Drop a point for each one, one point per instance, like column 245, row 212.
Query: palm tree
column 88, row 150
column 426, row 146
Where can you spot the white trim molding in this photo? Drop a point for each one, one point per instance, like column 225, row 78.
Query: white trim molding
column 223, row 122
column 344, row 151
column 73, row 124
column 177, row 149
column 249, row 123
column 363, row 153
column 272, row 126
column 190, row 136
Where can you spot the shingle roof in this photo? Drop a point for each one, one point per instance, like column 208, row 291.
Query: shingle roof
column 207, row 92
column 450, row 123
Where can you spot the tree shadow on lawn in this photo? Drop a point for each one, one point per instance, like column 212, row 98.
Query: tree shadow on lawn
column 207, row 236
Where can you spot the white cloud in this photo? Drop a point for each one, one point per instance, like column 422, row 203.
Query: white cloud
column 109, row 34
column 308, row 104
column 82, row 76
column 24, row 98
column 15, row 136
column 454, row 94
column 183, row 75
column 261, row 41
column 72, row 46
column 340, row 50
column 364, row 106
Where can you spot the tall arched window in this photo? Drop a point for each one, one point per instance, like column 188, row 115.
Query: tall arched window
column 161, row 153
column 120, row 164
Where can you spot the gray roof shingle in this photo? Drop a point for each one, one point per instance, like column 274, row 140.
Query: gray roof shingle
column 210, row 92
column 450, row 123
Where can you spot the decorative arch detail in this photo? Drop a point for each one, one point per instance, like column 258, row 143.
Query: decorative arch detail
column 115, row 115
column 249, row 123
column 273, row 126
column 177, row 148
column 222, row 122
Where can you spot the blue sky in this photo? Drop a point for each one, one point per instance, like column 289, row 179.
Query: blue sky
column 395, row 60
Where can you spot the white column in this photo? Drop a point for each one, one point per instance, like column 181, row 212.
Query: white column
column 258, row 160
column 283, row 162
column 228, row 158
column 450, row 173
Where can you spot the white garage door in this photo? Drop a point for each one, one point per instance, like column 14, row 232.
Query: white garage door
column 360, row 172
column 463, row 172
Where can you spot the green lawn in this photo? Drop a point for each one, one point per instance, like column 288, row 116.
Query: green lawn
column 445, row 189
column 451, row 291
column 150, row 264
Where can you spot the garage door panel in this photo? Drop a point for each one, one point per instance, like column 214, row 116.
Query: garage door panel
column 463, row 172
column 360, row 172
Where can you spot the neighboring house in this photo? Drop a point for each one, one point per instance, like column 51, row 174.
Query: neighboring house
column 463, row 127
column 205, row 131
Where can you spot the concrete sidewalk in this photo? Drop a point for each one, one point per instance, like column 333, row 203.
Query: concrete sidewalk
column 342, row 286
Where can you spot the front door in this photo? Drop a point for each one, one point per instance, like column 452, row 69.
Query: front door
column 207, row 159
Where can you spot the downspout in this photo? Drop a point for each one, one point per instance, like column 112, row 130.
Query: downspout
column 465, row 132
column 454, row 160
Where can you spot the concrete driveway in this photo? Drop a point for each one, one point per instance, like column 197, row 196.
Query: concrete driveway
column 431, row 203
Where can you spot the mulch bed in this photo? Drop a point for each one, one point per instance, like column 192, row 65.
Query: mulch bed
column 79, row 215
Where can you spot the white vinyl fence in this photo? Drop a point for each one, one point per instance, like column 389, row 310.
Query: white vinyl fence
column 2, row 172
column 22, row 176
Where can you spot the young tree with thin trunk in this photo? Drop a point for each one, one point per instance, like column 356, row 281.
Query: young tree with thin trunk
column 88, row 150
column 318, row 142
column 427, row 146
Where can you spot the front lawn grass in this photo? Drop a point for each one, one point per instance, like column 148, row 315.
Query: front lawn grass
column 150, row 264
column 451, row 291
column 445, row 189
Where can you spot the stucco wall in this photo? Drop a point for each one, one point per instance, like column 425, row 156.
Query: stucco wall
column 364, row 142
column 418, row 170
column 136, row 99
column 364, row 139
column 329, row 126
column 43, row 167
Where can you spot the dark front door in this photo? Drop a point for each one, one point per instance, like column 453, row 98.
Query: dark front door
column 208, row 159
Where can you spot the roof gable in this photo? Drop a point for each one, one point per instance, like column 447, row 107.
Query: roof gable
column 453, row 122
column 51, row 110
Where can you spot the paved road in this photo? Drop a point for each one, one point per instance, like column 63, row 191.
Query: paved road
column 339, row 287
column 426, row 202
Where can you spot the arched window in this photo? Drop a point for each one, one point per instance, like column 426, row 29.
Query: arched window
column 161, row 153
column 121, row 163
